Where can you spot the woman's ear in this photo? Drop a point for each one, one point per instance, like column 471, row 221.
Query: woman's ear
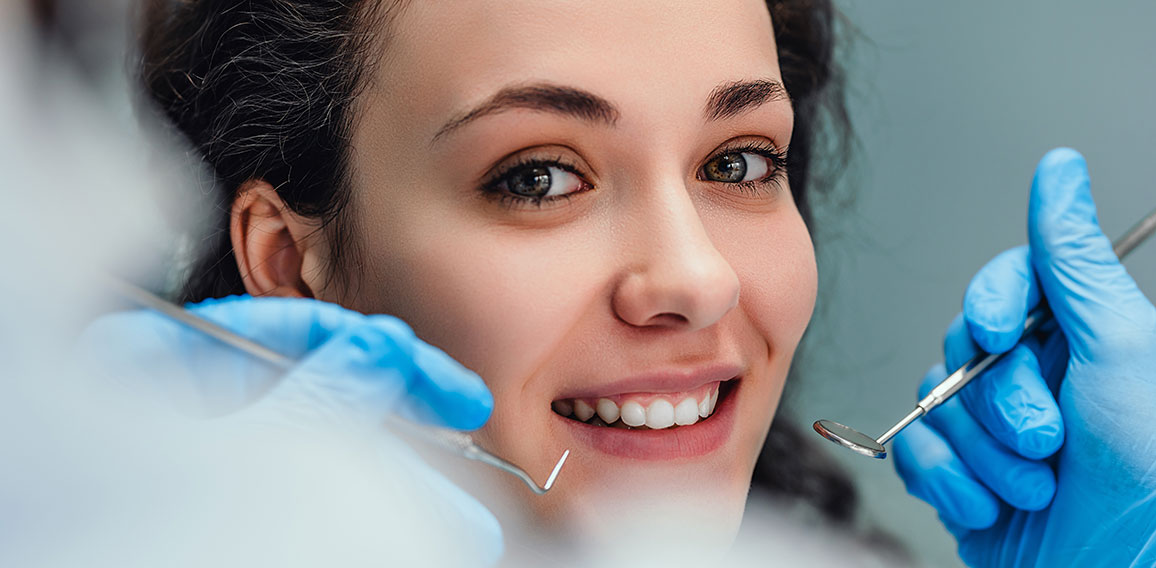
column 272, row 245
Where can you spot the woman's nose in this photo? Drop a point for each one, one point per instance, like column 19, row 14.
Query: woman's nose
column 675, row 278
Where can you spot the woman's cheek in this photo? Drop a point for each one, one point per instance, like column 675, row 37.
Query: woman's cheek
column 506, row 306
column 774, row 258
column 494, row 315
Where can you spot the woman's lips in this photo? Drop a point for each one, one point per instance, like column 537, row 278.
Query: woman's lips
column 676, row 442
column 668, row 381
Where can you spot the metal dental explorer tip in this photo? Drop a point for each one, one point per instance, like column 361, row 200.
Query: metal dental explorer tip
column 863, row 444
column 453, row 441
column 463, row 445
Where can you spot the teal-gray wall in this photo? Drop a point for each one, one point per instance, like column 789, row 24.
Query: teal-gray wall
column 954, row 103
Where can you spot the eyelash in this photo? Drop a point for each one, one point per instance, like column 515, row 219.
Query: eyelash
column 776, row 174
column 777, row 157
column 510, row 200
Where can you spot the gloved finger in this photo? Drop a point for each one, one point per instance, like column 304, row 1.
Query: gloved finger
column 1087, row 288
column 447, row 392
column 147, row 352
column 960, row 532
column 932, row 471
column 1022, row 483
column 999, row 298
column 290, row 326
column 1011, row 399
column 437, row 389
column 367, row 364
column 376, row 368
column 958, row 345
column 1052, row 353
column 1013, row 403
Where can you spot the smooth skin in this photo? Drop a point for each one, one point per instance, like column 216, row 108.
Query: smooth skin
column 1049, row 458
column 652, row 268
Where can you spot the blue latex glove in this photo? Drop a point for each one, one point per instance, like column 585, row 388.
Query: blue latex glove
column 1049, row 458
column 354, row 370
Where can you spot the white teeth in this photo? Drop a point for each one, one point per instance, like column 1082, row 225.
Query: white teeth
column 607, row 410
column 583, row 410
column 563, row 407
column 686, row 413
column 660, row 414
column 633, row 414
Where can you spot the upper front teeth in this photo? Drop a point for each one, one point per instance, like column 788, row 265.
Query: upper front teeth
column 686, row 413
column 661, row 411
column 660, row 414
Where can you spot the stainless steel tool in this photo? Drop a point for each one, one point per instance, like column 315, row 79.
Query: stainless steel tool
column 863, row 444
column 453, row 441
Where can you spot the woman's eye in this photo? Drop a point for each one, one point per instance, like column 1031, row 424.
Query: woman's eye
column 541, row 181
column 737, row 167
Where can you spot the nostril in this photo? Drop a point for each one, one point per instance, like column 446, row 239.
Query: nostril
column 675, row 295
column 670, row 319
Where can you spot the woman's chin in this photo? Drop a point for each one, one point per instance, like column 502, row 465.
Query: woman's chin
column 647, row 493
column 665, row 514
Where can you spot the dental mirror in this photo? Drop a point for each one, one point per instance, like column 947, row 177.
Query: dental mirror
column 851, row 439
column 863, row 444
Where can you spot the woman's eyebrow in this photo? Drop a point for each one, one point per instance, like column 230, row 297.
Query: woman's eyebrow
column 726, row 100
column 544, row 97
column 731, row 99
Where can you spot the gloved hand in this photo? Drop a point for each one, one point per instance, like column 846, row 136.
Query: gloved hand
column 354, row 371
column 1049, row 458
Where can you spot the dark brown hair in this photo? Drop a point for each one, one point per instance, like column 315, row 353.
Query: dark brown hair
column 261, row 89
column 266, row 89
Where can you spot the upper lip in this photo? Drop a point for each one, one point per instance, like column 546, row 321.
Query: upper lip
column 670, row 380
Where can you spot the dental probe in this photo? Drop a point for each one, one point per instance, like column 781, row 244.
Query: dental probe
column 863, row 444
column 453, row 441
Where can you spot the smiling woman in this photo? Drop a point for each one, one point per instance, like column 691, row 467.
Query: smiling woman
column 599, row 207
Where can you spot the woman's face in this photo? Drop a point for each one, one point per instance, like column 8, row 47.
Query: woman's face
column 584, row 202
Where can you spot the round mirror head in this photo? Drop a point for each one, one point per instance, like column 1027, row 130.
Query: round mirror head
column 851, row 439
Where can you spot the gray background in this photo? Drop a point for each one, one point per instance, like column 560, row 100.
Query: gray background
column 954, row 103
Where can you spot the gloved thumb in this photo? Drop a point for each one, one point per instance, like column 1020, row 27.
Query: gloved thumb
column 368, row 371
column 1088, row 290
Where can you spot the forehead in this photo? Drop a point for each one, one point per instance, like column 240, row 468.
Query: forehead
column 442, row 55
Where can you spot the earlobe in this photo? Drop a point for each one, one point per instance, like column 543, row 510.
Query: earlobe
column 268, row 242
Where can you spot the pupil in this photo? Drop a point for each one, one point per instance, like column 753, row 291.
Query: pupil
column 729, row 168
column 531, row 182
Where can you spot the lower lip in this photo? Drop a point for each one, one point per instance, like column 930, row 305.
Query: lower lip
column 692, row 441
